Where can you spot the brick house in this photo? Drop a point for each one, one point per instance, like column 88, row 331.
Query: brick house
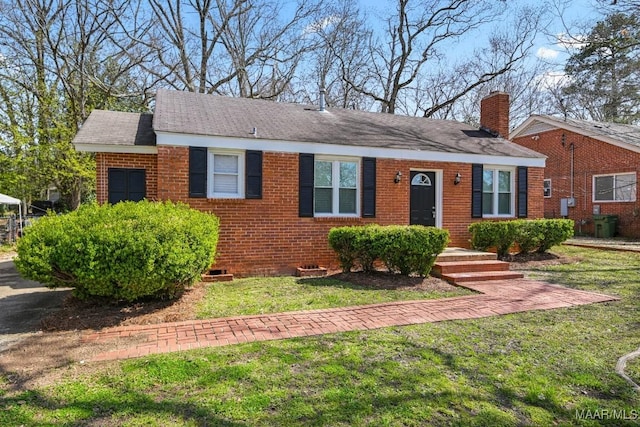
column 591, row 169
column 280, row 176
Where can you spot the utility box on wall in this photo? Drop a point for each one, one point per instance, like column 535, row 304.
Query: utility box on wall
column 564, row 207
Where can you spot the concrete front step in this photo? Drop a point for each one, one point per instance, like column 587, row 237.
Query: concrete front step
column 447, row 267
column 481, row 276
column 461, row 254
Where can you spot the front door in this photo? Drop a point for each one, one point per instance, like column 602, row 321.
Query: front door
column 423, row 198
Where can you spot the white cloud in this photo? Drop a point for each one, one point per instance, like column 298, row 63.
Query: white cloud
column 546, row 53
column 553, row 79
column 570, row 42
column 320, row 25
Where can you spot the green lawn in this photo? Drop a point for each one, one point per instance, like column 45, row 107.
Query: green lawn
column 537, row 368
column 262, row 295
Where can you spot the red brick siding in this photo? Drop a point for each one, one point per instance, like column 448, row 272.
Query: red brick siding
column 104, row 161
column 494, row 113
column 266, row 236
column 591, row 157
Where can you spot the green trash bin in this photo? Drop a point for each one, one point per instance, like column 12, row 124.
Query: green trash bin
column 605, row 225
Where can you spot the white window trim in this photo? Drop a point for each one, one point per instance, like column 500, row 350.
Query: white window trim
column 550, row 188
column 210, row 173
column 512, row 201
column 614, row 175
column 335, row 178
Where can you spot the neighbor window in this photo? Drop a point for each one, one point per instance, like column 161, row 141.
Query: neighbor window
column 335, row 187
column 614, row 188
column 226, row 169
column 547, row 188
column 497, row 192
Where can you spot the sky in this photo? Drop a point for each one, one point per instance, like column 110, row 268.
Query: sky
column 554, row 46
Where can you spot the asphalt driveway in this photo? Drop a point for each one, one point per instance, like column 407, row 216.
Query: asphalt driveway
column 23, row 303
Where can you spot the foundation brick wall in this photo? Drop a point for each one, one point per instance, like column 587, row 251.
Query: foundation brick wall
column 591, row 157
column 266, row 236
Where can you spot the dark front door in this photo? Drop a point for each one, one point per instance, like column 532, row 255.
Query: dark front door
column 423, row 198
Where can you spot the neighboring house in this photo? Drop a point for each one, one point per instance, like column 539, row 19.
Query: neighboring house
column 280, row 176
column 591, row 169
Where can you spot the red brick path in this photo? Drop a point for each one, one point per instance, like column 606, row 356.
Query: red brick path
column 496, row 298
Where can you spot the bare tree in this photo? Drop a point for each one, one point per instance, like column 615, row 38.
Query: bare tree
column 339, row 56
column 248, row 48
column 416, row 36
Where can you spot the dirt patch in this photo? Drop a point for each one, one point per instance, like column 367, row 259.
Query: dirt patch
column 97, row 314
column 385, row 280
column 531, row 261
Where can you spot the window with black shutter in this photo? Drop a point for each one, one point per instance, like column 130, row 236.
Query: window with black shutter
column 305, row 182
column 198, row 172
column 126, row 184
column 476, row 190
column 523, row 183
column 253, row 171
column 368, row 187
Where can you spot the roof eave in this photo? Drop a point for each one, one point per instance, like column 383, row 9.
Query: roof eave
column 116, row 148
column 560, row 124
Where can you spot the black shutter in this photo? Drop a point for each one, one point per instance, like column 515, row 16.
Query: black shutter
column 117, row 183
column 197, row 172
column 476, row 190
column 523, row 184
column 137, row 185
column 368, row 187
column 253, row 172
column 305, row 183
column 126, row 184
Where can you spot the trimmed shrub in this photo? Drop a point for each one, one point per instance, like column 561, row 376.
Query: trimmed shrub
column 529, row 235
column 124, row 252
column 538, row 234
column 555, row 231
column 343, row 241
column 411, row 249
column 356, row 246
column 404, row 249
column 482, row 235
column 500, row 235
column 368, row 246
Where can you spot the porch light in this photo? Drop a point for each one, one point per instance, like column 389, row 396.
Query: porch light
column 457, row 179
column 398, row 177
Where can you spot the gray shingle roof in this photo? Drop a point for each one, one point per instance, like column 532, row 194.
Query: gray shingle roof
column 212, row 115
column 629, row 134
column 117, row 128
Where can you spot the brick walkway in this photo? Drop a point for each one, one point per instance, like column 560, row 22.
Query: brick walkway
column 496, row 298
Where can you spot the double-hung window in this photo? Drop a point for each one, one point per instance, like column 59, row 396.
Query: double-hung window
column 614, row 188
column 547, row 188
column 336, row 187
column 497, row 191
column 226, row 173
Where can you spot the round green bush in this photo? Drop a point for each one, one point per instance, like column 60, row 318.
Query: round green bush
column 124, row 251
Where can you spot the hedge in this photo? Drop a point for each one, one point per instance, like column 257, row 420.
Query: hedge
column 403, row 249
column 537, row 235
column 124, row 251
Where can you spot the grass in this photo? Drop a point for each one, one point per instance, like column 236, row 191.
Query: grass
column 4, row 248
column 262, row 295
column 551, row 367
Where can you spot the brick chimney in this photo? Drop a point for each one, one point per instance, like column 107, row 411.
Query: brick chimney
column 494, row 114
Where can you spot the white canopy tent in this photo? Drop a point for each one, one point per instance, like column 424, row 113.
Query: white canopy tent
column 8, row 200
